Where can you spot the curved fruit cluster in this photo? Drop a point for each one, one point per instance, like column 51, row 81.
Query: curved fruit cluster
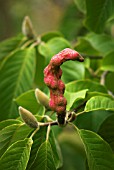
column 52, row 78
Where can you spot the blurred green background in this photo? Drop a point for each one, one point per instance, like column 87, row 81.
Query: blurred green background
column 46, row 15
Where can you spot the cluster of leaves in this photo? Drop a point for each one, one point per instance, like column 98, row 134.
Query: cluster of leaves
column 89, row 140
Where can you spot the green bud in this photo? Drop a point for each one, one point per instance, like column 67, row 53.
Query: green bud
column 27, row 28
column 28, row 117
column 42, row 98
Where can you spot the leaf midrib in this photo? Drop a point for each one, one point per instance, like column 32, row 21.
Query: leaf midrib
column 18, row 82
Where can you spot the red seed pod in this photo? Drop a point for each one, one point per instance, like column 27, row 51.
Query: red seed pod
column 52, row 75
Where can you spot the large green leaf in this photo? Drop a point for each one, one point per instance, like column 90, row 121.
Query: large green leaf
column 72, row 70
column 45, row 159
column 11, row 134
column 40, row 65
column 81, row 4
column 39, row 139
column 7, row 46
column 71, row 24
column 92, row 120
column 85, row 47
column 96, row 44
column 49, row 35
column 16, row 77
column 92, row 86
column 108, row 62
column 17, row 155
column 98, row 13
column 99, row 153
column 74, row 96
column 57, row 156
column 8, row 122
column 29, row 102
column 99, row 103
column 109, row 81
column 106, row 130
column 72, row 150
column 52, row 47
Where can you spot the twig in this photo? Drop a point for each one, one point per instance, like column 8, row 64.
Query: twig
column 48, row 123
column 103, row 77
column 48, row 132
column 91, row 57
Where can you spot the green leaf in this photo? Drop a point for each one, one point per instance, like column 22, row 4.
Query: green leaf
column 72, row 150
column 92, row 120
column 71, row 24
column 98, row 13
column 106, row 130
column 6, row 135
column 92, row 86
column 9, row 45
column 108, row 62
column 85, row 47
column 29, row 102
column 57, row 44
column 99, row 153
column 57, row 156
column 16, row 77
column 49, row 35
column 72, row 70
column 101, row 44
column 52, row 47
column 40, row 65
column 17, row 155
column 38, row 139
column 81, row 4
column 11, row 134
column 92, row 94
column 72, row 97
column 99, row 103
column 8, row 122
column 45, row 159
column 109, row 81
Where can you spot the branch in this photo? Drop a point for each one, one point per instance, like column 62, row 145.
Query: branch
column 92, row 57
column 103, row 77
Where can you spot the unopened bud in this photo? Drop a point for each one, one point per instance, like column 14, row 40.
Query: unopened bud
column 28, row 117
column 27, row 28
column 42, row 98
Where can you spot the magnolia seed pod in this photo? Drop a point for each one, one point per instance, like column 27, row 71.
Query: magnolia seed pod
column 42, row 98
column 27, row 28
column 28, row 117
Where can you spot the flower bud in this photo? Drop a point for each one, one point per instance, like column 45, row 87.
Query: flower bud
column 28, row 117
column 42, row 98
column 27, row 28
